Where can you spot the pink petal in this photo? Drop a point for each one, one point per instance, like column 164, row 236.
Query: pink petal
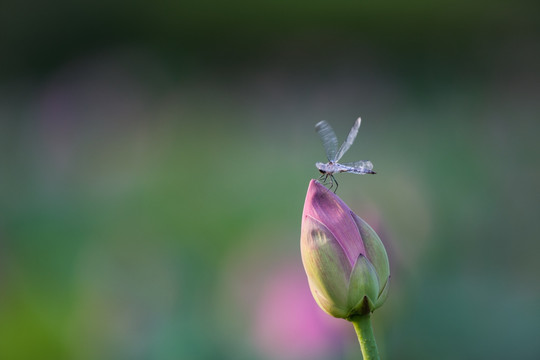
column 326, row 207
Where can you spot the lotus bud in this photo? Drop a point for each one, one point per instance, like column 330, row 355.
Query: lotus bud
column 344, row 259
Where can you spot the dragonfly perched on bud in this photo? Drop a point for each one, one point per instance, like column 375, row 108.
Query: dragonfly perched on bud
column 330, row 144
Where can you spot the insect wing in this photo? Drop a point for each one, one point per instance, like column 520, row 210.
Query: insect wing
column 329, row 139
column 350, row 139
column 362, row 165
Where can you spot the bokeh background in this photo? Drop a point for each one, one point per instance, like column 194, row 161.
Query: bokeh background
column 155, row 158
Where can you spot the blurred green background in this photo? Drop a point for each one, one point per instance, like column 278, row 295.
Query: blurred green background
column 155, row 158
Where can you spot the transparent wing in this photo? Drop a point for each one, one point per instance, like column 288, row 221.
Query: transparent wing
column 328, row 138
column 360, row 165
column 350, row 139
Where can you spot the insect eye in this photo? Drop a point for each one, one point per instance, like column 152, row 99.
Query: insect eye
column 322, row 171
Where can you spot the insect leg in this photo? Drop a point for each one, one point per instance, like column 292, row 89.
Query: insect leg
column 336, row 183
column 331, row 181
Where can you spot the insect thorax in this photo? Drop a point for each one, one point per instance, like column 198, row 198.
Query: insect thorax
column 325, row 168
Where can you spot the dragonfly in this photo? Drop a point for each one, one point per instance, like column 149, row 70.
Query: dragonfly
column 330, row 143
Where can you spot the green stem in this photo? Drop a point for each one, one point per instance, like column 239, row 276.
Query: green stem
column 362, row 325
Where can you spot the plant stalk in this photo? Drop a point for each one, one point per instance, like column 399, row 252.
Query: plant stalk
column 364, row 331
